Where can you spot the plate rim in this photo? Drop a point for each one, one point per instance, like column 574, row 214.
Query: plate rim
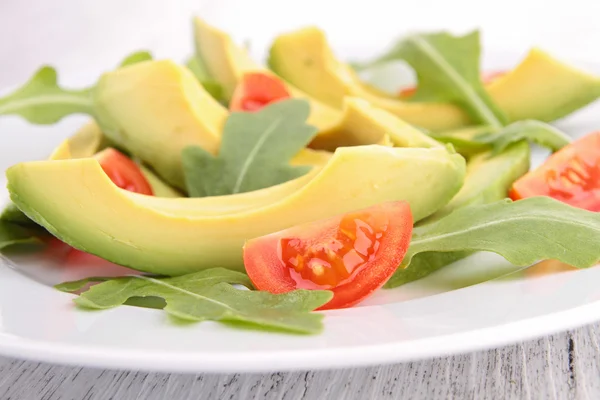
column 301, row 359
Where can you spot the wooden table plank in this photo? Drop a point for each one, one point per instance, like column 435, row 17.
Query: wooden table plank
column 562, row 366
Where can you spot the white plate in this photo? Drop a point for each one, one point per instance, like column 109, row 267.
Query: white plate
column 436, row 316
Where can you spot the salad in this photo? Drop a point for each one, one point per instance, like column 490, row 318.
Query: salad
column 256, row 194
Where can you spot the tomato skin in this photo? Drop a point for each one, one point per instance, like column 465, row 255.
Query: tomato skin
column 571, row 175
column 123, row 171
column 390, row 228
column 486, row 79
column 256, row 90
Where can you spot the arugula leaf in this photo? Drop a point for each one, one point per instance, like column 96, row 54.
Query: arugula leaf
column 208, row 295
column 75, row 286
column 535, row 131
column 42, row 101
column 480, row 138
column 196, row 65
column 523, row 232
column 255, row 151
column 137, row 57
column 447, row 69
column 424, row 264
column 12, row 234
column 12, row 214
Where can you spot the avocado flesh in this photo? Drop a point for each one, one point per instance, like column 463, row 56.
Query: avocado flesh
column 543, row 88
column 540, row 87
column 154, row 109
column 87, row 141
column 365, row 123
column 79, row 204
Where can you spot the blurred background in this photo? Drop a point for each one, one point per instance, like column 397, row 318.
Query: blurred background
column 84, row 38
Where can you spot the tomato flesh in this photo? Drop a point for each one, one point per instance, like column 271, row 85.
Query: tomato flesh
column 123, row 171
column 352, row 254
column 256, row 90
column 571, row 175
column 486, row 79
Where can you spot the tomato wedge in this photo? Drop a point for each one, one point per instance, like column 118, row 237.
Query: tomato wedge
column 123, row 171
column 571, row 175
column 352, row 254
column 256, row 90
column 486, row 78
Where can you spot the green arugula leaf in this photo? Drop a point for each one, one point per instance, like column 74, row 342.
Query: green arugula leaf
column 42, row 101
column 208, row 295
column 523, row 232
column 12, row 234
column 12, row 214
column 255, row 151
column 536, row 131
column 424, row 264
column 447, row 69
column 481, row 138
column 137, row 57
column 198, row 68
column 75, row 286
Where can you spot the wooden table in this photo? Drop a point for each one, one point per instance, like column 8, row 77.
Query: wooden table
column 563, row 366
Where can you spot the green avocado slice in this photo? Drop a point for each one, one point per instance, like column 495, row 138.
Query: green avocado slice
column 488, row 178
column 79, row 204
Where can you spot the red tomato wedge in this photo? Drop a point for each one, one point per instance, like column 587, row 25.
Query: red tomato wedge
column 352, row 254
column 256, row 90
column 486, row 78
column 123, row 171
column 571, row 175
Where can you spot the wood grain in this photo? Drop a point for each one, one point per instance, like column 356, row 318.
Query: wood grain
column 563, row 366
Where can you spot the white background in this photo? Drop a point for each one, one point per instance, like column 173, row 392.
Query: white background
column 83, row 38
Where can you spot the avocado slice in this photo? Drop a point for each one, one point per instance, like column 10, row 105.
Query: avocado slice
column 79, row 204
column 489, row 178
column 540, row 87
column 154, row 109
column 543, row 88
column 86, row 142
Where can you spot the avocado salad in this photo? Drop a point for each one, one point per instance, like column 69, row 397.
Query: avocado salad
column 256, row 195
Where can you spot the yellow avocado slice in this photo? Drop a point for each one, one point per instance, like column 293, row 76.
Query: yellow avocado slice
column 86, row 142
column 540, row 87
column 543, row 88
column 355, row 124
column 365, row 123
column 156, row 108
column 78, row 203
